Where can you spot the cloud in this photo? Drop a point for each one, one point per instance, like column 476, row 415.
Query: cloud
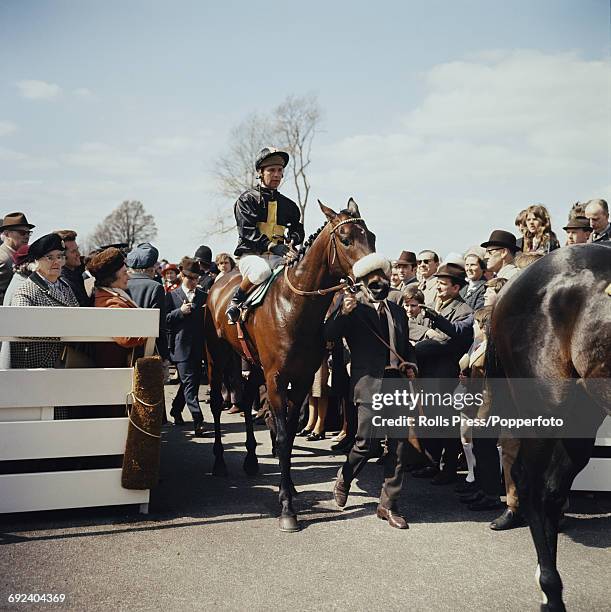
column 106, row 159
column 501, row 130
column 7, row 127
column 8, row 155
column 39, row 90
column 82, row 92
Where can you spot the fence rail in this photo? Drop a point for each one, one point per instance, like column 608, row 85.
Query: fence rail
column 27, row 428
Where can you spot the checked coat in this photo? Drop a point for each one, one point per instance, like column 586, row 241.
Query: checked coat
column 35, row 291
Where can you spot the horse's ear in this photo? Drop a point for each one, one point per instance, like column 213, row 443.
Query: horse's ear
column 353, row 209
column 328, row 212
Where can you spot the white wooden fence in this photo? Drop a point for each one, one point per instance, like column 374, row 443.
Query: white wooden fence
column 596, row 476
column 27, row 398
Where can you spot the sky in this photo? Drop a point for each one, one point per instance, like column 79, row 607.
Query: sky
column 442, row 119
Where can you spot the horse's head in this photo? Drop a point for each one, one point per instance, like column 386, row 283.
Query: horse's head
column 350, row 240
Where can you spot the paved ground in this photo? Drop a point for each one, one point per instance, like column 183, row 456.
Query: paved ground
column 215, row 543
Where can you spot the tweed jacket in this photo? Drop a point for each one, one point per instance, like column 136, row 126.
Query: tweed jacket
column 439, row 355
column 368, row 354
column 35, row 291
column 428, row 286
column 120, row 353
column 6, row 269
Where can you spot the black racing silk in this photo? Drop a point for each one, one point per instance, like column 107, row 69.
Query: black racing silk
column 262, row 216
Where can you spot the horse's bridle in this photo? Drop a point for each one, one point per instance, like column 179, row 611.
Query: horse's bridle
column 347, row 282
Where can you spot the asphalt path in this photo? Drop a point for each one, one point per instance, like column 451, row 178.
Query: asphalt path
column 214, row 543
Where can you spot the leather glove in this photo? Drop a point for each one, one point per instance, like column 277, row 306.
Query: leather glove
column 295, row 238
column 430, row 314
column 279, row 249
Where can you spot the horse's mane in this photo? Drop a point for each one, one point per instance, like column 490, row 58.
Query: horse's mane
column 309, row 241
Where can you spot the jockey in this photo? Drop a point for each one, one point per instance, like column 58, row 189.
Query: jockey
column 264, row 216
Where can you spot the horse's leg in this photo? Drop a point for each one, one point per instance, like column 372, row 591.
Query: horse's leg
column 277, row 395
column 251, row 463
column 220, row 356
column 539, row 474
column 297, row 399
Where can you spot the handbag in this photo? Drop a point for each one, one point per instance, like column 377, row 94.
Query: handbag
column 73, row 358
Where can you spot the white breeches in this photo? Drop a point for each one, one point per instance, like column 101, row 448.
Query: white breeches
column 258, row 268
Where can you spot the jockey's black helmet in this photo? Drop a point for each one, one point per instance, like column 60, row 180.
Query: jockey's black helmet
column 269, row 156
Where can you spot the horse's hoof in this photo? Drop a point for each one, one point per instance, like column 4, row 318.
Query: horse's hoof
column 251, row 466
column 219, row 469
column 289, row 524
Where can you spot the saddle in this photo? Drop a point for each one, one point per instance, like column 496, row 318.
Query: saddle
column 257, row 297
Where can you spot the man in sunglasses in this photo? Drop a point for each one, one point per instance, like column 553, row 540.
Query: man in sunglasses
column 16, row 232
column 427, row 263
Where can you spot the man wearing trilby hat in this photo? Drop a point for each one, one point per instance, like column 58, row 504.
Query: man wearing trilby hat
column 577, row 230
column 15, row 231
column 264, row 218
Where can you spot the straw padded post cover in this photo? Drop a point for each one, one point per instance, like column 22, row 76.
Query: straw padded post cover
column 142, row 450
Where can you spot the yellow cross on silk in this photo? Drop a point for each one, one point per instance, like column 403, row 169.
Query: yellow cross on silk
column 271, row 228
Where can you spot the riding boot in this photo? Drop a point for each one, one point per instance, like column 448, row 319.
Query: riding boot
column 233, row 311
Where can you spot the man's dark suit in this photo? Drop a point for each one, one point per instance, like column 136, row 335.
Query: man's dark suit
column 186, row 344
column 369, row 357
column 148, row 293
column 438, row 358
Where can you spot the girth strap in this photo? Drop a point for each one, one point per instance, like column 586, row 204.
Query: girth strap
column 243, row 340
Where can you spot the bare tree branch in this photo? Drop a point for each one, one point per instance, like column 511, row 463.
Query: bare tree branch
column 292, row 127
column 129, row 223
column 296, row 120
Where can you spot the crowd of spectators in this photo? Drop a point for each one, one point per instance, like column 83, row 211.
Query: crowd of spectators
column 447, row 301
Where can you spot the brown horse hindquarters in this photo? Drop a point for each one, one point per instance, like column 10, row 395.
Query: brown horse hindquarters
column 554, row 322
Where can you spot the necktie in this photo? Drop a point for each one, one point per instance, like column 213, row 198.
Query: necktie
column 384, row 331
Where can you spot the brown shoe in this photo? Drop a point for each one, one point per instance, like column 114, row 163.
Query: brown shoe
column 394, row 518
column 340, row 490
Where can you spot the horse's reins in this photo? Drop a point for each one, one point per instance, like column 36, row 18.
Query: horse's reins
column 344, row 283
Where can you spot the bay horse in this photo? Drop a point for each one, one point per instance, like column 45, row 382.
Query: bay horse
column 284, row 338
column 552, row 323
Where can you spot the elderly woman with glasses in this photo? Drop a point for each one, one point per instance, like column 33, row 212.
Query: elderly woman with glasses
column 44, row 287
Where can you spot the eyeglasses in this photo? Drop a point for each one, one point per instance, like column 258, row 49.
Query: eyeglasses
column 23, row 232
column 424, row 261
column 52, row 258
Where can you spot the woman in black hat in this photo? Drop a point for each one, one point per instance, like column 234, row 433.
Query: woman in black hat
column 44, row 287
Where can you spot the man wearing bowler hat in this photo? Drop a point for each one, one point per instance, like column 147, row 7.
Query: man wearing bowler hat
column 16, row 232
column 577, row 230
column 501, row 248
column 203, row 256
column 406, row 267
